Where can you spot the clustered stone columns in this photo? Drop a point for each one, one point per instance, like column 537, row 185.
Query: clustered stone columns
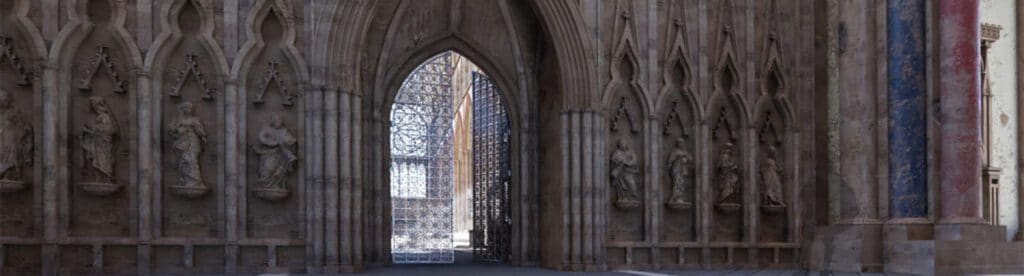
column 959, row 113
column 907, row 87
column 584, row 231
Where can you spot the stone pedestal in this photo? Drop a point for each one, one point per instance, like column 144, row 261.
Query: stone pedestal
column 909, row 249
column 976, row 248
column 848, row 248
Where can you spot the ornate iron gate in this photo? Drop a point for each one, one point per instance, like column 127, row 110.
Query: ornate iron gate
column 421, row 165
column 492, row 218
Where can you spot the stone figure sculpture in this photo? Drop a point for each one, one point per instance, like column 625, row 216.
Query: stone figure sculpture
column 680, row 165
column 275, row 146
column 97, row 141
column 16, row 145
column 728, row 178
column 189, row 136
column 625, row 173
column 771, row 178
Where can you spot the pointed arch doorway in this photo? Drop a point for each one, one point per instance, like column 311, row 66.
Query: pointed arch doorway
column 450, row 168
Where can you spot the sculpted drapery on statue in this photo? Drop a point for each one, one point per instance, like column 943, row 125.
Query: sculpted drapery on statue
column 189, row 136
column 16, row 145
column 771, row 177
column 625, row 173
column 680, row 166
column 728, row 178
column 275, row 146
column 97, row 141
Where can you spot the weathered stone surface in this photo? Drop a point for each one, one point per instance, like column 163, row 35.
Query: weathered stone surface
column 238, row 136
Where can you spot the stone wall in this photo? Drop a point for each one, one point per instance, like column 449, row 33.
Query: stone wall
column 1002, row 68
column 235, row 136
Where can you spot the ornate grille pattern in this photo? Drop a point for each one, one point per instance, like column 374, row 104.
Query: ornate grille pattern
column 421, row 165
column 492, row 217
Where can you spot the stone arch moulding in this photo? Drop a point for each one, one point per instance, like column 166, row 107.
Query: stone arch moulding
column 188, row 95
column 395, row 77
column 96, row 72
column 272, row 78
column 679, row 118
column 507, row 89
column 404, row 49
column 22, row 51
column 570, row 42
column 573, row 42
column 27, row 51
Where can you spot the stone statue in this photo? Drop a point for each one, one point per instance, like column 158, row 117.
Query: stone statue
column 275, row 146
column 97, row 142
column 189, row 138
column 728, row 173
column 680, row 164
column 16, row 145
column 771, row 177
column 625, row 173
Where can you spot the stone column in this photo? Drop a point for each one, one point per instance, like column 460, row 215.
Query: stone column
column 907, row 89
column 907, row 85
column 857, row 52
column 853, row 242
column 959, row 112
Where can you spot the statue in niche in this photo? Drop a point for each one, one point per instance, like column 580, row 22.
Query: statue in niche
column 189, row 136
column 771, row 178
column 728, row 178
column 275, row 146
column 680, row 165
column 97, row 141
column 625, row 174
column 16, row 145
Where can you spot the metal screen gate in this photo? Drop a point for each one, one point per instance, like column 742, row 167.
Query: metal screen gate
column 421, row 165
column 492, row 218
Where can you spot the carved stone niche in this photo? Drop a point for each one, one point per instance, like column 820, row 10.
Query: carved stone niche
column 16, row 130
column 20, row 117
column 624, row 159
column 102, row 123
column 727, row 169
column 771, row 173
column 772, row 177
column 679, row 172
column 678, row 133
column 626, row 166
column 188, row 71
column 191, row 108
column 273, row 127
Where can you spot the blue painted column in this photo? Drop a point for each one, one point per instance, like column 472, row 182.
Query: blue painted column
column 908, row 178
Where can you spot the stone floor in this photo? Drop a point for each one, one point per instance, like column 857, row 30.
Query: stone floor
column 464, row 265
column 495, row 270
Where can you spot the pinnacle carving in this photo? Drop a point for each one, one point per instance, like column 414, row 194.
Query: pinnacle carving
column 7, row 55
column 273, row 75
column 101, row 60
column 192, row 68
column 674, row 116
